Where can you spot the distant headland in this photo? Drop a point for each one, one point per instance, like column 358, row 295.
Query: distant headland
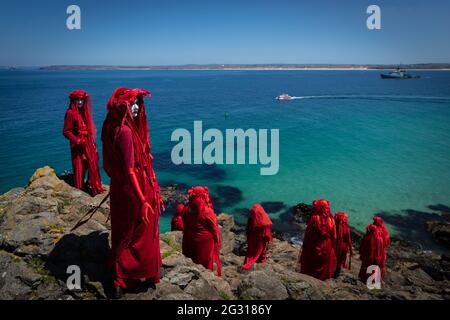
column 422, row 66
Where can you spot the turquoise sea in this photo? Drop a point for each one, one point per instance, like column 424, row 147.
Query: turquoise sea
column 366, row 144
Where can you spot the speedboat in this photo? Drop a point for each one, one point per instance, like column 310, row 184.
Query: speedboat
column 284, row 96
column 398, row 74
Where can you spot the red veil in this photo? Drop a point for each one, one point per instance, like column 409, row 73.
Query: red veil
column 202, row 237
column 379, row 222
column 258, row 236
column 259, row 218
column 341, row 218
column 119, row 114
column 371, row 251
column 343, row 240
column 321, row 208
column 135, row 250
column 318, row 257
column 375, row 251
column 91, row 148
column 87, row 109
column 200, row 192
column 177, row 219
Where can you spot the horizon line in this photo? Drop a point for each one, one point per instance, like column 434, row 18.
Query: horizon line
column 281, row 64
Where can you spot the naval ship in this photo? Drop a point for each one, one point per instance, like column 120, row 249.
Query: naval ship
column 398, row 74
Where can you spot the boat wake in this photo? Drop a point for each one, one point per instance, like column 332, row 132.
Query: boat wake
column 376, row 97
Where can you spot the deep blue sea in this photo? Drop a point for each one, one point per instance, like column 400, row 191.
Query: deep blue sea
column 366, row 144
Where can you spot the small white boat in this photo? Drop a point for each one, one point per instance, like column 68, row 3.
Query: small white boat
column 284, row 96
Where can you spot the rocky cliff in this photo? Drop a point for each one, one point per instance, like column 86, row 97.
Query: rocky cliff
column 36, row 247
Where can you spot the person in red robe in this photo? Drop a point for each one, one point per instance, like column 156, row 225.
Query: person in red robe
column 80, row 129
column 135, row 203
column 379, row 222
column 371, row 251
column 344, row 247
column 177, row 219
column 259, row 235
column 201, row 237
column 318, row 258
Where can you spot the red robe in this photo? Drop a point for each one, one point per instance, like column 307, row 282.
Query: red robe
column 135, row 251
column 379, row 222
column 318, row 257
column 201, row 237
column 177, row 219
column 371, row 251
column 258, row 236
column 343, row 241
column 79, row 128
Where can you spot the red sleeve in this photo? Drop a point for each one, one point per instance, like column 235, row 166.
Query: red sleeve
column 125, row 145
column 213, row 226
column 349, row 239
column 322, row 228
column 267, row 233
column 324, row 232
column 177, row 223
column 327, row 230
column 311, row 229
column 68, row 127
column 387, row 238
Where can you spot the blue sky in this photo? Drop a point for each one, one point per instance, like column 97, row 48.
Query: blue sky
column 167, row 32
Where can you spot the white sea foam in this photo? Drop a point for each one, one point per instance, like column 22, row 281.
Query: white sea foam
column 373, row 97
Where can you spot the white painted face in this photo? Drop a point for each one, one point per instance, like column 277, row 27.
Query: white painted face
column 79, row 103
column 134, row 109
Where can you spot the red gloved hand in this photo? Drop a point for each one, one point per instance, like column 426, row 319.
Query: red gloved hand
column 146, row 208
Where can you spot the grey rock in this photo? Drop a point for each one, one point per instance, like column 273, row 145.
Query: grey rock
column 181, row 279
column 17, row 280
column 177, row 296
column 226, row 223
column 440, row 231
column 202, row 290
column 260, row 285
column 165, row 288
column 176, row 259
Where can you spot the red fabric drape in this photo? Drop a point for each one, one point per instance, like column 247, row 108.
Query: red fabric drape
column 80, row 129
column 135, row 252
column 379, row 222
column 201, row 237
column 258, row 236
column 318, row 257
column 177, row 220
column 371, row 251
column 343, row 241
column 200, row 192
